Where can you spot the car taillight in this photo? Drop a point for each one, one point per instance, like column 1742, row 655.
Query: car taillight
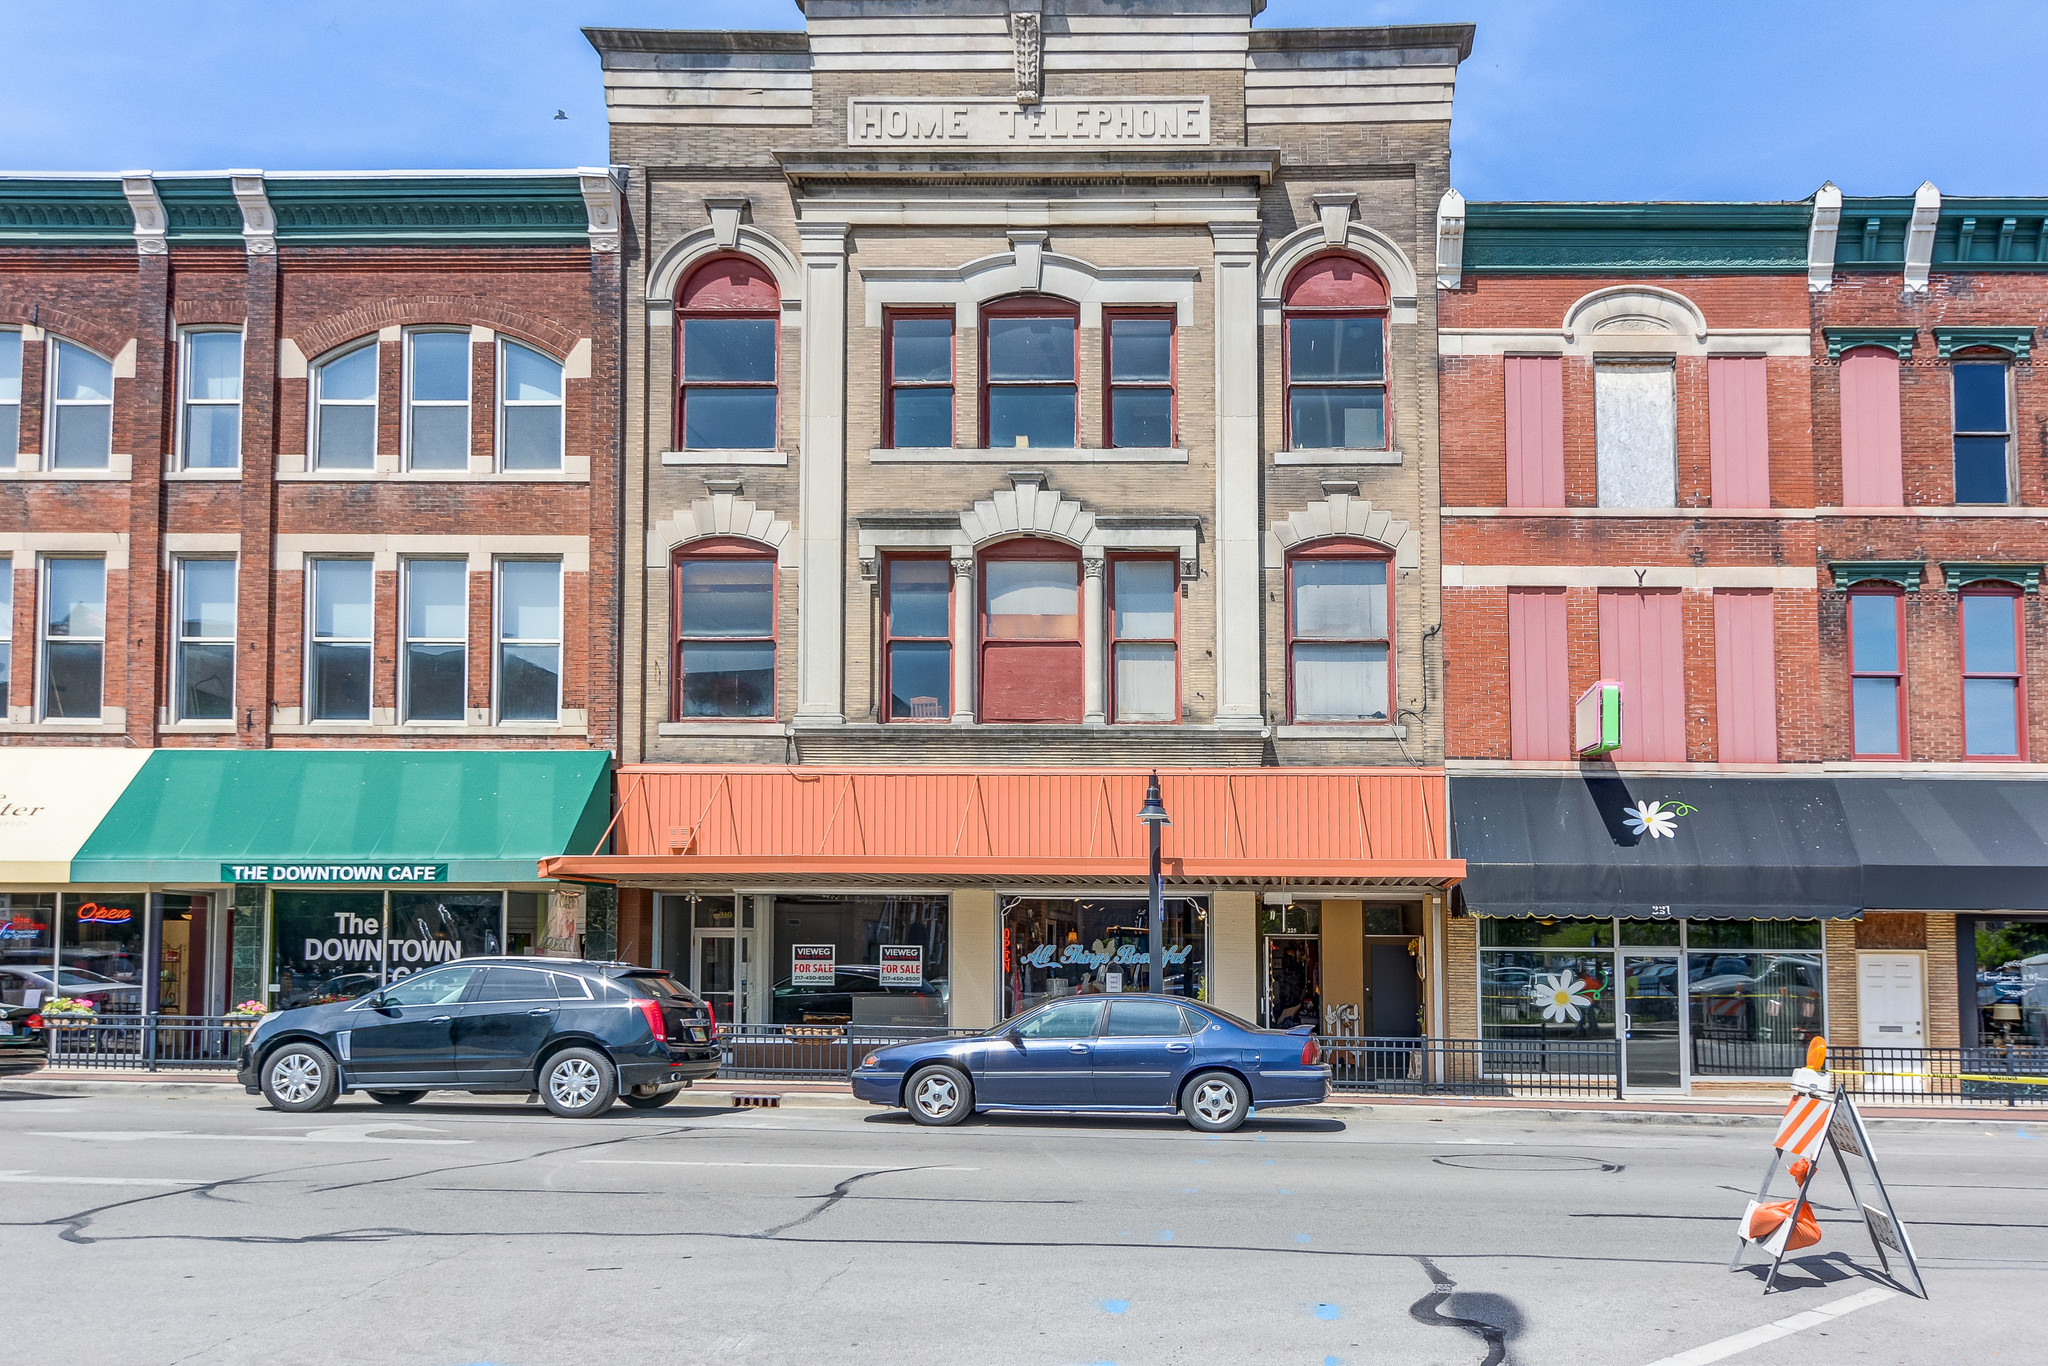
column 1310, row 1051
column 712, row 1011
column 652, row 1010
column 35, row 1022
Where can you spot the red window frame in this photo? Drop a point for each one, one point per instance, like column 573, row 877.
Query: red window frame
column 890, row 384
column 1028, row 306
column 1291, row 310
column 890, row 639
column 2017, row 676
column 1337, row 549
column 1896, row 674
column 683, row 314
column 1171, row 384
column 1026, row 548
column 1109, row 626
column 720, row 548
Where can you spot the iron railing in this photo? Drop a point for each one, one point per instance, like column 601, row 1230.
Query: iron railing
column 812, row 1052
column 2009, row 1076
column 148, row 1043
column 1583, row 1069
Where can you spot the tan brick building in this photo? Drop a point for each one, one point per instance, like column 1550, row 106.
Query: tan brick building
column 1034, row 386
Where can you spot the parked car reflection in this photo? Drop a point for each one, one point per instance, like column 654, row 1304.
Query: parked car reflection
column 857, row 996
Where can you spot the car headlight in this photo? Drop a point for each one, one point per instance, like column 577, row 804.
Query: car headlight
column 872, row 1060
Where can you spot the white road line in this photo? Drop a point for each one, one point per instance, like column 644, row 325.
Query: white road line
column 344, row 1133
column 30, row 1179
column 794, row 1166
column 1783, row 1328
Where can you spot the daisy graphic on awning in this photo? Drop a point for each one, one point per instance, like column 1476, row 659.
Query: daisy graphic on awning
column 1653, row 819
column 1562, row 997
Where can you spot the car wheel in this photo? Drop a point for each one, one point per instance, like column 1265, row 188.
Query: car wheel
column 578, row 1083
column 396, row 1097
column 939, row 1096
column 1215, row 1102
column 300, row 1078
column 653, row 1102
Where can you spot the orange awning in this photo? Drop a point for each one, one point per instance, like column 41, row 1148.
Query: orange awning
column 1273, row 826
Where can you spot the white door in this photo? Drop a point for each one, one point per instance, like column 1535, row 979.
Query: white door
column 1891, row 1010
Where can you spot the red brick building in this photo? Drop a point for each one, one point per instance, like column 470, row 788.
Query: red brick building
column 1760, row 472
column 302, row 462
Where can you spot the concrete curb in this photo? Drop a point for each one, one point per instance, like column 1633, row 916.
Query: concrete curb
column 824, row 1095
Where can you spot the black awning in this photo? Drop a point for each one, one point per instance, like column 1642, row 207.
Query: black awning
column 1560, row 845
column 1942, row 844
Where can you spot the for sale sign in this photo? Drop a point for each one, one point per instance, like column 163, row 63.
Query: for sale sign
column 902, row 965
column 811, row 965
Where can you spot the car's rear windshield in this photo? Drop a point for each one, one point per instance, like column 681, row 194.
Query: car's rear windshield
column 658, row 984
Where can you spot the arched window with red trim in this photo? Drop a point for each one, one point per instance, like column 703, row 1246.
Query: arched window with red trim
column 1336, row 356
column 728, row 314
column 724, row 630
column 1340, row 633
column 1031, row 632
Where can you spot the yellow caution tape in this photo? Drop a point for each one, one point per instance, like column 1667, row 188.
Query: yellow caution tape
column 1943, row 1076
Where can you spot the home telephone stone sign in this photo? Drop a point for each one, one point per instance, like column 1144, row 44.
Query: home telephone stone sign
column 1143, row 121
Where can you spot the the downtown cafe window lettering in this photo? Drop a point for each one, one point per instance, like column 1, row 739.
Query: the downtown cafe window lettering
column 337, row 945
column 1751, row 993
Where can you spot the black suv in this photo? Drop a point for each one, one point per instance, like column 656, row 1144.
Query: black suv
column 582, row 1034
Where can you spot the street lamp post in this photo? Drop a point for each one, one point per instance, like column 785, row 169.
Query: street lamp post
column 1154, row 815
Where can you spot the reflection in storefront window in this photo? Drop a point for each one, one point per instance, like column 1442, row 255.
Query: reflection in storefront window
column 910, row 985
column 1060, row 947
column 1546, row 995
column 1752, row 1013
column 2012, row 981
column 26, row 919
column 102, row 933
column 336, row 946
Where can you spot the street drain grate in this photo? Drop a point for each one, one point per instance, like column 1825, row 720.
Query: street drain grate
column 756, row 1102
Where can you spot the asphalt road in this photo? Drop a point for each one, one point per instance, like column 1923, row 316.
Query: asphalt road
column 207, row 1228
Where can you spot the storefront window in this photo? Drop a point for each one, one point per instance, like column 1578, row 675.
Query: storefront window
column 2012, row 981
column 1752, row 992
column 335, row 946
column 862, row 960
column 103, row 936
column 1056, row 947
column 26, row 921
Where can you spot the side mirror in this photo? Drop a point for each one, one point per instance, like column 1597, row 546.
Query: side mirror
column 382, row 1004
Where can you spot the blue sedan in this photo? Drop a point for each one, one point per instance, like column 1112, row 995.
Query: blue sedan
column 1127, row 1054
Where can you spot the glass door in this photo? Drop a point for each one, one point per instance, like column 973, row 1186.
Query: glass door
column 1652, row 1022
column 714, row 974
column 1294, row 980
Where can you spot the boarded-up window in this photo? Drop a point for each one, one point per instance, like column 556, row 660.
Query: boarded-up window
column 1535, row 422
column 1871, row 465
column 1739, row 432
column 1539, row 705
column 1746, row 676
column 1635, row 435
column 1642, row 647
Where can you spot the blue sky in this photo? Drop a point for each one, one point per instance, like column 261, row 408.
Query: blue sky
column 1562, row 99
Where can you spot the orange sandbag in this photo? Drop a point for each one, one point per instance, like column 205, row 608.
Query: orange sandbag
column 1765, row 1222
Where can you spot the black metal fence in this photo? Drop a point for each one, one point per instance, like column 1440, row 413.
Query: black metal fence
column 2001, row 1076
column 1579, row 1069
column 812, row 1052
column 150, row 1043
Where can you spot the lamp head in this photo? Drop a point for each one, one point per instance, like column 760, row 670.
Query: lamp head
column 1153, row 813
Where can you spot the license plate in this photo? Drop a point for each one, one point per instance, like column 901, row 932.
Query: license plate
column 696, row 1036
column 6, row 1027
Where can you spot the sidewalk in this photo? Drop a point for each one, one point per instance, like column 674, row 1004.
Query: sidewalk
column 1759, row 1112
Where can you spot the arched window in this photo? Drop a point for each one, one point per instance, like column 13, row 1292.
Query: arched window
column 1031, row 632
column 1340, row 633
column 1029, row 372
column 345, row 409
column 529, row 408
column 81, row 409
column 724, row 630
column 1336, row 356
column 727, row 316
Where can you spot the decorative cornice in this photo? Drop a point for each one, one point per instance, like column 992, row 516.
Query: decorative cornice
column 1897, row 340
column 152, row 223
column 458, row 210
column 600, row 207
column 1820, row 238
column 1920, row 238
column 1450, row 240
column 1905, row 573
column 259, row 223
column 2017, row 341
column 1558, row 239
column 1956, row 575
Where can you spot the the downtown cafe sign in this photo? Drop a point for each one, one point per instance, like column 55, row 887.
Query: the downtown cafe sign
column 316, row 817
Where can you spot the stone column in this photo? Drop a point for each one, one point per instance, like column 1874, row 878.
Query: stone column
column 963, row 641
column 1239, row 638
column 245, row 978
column 977, row 975
column 821, row 466
column 1091, row 641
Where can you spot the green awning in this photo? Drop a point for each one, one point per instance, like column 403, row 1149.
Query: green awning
column 489, row 815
